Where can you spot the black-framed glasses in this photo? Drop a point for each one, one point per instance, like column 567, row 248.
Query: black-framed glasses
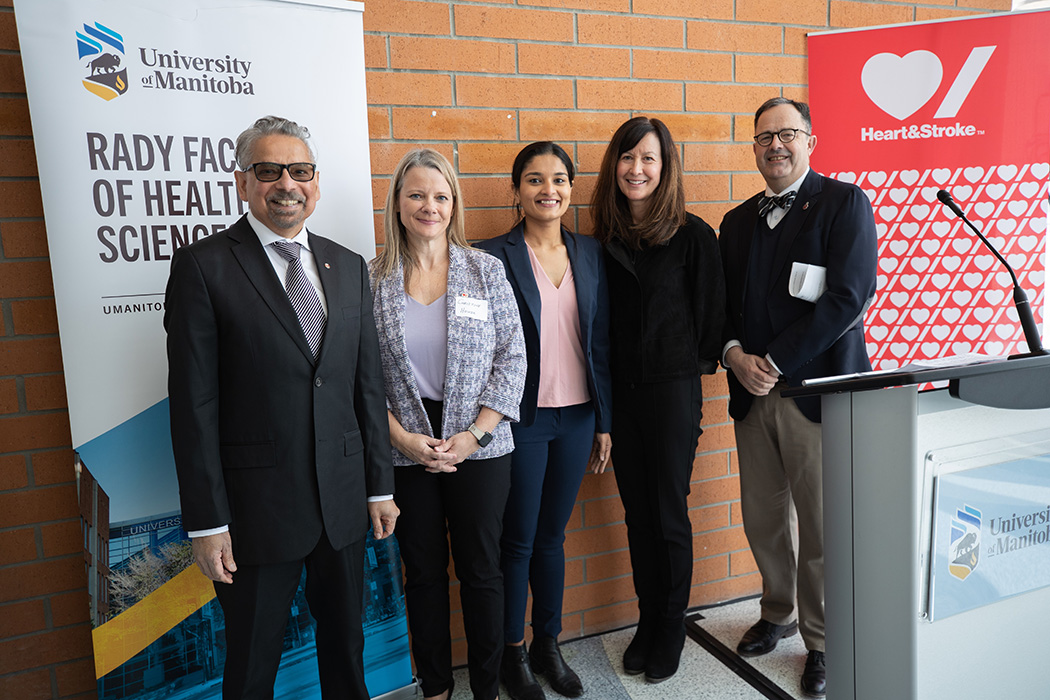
column 785, row 136
column 271, row 172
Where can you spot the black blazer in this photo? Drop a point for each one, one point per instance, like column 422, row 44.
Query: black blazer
column 830, row 224
column 264, row 440
column 592, row 300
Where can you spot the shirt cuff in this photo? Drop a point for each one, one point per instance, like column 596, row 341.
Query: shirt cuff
column 208, row 533
column 774, row 364
column 729, row 346
column 376, row 499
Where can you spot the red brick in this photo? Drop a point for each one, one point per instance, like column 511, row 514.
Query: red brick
column 386, row 156
column 719, row 157
column 617, row 94
column 17, row 546
column 725, row 98
column 799, row 93
column 514, row 23
column 993, row 5
column 8, row 396
column 570, row 126
column 598, row 486
column 713, row 465
column 574, row 61
column 796, row 42
column 746, row 185
column 34, row 316
column 574, row 571
column 11, row 77
column 378, row 123
column 772, row 12
column 487, row 223
column 716, row 412
column 927, row 14
column 17, row 156
column 37, row 505
column 603, row 511
column 593, row 595
column 31, row 685
column 708, row 188
column 406, row 15
column 44, row 649
column 629, row 30
column 771, row 70
column 742, row 562
column 708, row 9
column 35, row 432
column 24, row 239
column 593, row 540
column 867, row 14
column 20, row 199
column 21, row 618
column 605, row 566
column 70, row 608
column 408, row 88
column 575, row 521
column 697, row 127
column 375, row 51
column 504, row 92
column 487, row 191
column 53, row 467
column 729, row 539
column 708, row 519
column 715, row 384
column 8, row 41
column 13, row 474
column 45, row 393
column 15, row 117
column 571, row 626
column 710, row 569
column 442, row 124
column 735, row 38
column 610, row 617
column 40, row 578
column 682, row 65
column 709, row 212
column 29, row 278
column 595, row 5
column 488, row 157
column 725, row 590
column 451, row 55
column 76, row 677
column 62, row 538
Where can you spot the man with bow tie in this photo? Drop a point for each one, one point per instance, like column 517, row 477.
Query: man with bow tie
column 278, row 418
column 809, row 227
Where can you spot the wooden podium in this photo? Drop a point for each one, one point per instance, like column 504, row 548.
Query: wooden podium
column 882, row 442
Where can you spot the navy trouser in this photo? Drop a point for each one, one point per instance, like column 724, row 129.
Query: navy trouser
column 547, row 467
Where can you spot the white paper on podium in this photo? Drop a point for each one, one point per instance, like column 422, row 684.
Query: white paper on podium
column 807, row 282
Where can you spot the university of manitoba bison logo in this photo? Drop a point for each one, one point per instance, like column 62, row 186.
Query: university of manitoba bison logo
column 964, row 542
column 101, row 51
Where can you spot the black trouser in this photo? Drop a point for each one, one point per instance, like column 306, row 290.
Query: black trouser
column 655, row 429
column 256, row 608
column 470, row 503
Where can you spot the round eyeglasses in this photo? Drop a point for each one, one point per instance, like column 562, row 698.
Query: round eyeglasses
column 785, row 136
column 271, row 172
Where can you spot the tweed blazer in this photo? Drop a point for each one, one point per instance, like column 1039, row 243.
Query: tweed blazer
column 486, row 358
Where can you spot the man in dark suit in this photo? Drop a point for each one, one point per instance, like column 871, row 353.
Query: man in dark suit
column 822, row 232
column 278, row 418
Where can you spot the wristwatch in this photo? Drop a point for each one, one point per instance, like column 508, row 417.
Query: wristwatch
column 480, row 435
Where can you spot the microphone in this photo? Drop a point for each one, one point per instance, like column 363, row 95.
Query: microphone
column 1024, row 309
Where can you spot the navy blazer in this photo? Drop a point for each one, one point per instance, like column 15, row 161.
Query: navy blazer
column 592, row 301
column 830, row 224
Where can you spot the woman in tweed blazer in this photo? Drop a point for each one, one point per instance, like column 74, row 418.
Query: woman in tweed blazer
column 454, row 370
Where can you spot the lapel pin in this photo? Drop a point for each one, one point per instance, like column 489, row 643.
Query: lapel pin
column 805, row 206
column 327, row 266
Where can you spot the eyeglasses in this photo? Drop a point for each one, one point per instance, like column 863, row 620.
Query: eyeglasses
column 271, row 172
column 785, row 136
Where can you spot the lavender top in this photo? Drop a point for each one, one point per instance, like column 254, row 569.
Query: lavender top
column 426, row 335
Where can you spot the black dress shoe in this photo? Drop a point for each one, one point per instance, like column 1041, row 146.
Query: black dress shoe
column 516, row 675
column 637, row 653
column 547, row 660
column 666, row 653
column 763, row 636
column 813, row 677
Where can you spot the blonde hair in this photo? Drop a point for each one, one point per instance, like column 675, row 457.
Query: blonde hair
column 396, row 249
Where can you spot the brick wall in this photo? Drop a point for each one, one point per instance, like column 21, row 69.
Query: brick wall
column 476, row 80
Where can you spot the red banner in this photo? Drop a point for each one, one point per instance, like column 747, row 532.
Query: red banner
column 961, row 105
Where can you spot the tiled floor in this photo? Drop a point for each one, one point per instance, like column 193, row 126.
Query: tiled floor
column 703, row 675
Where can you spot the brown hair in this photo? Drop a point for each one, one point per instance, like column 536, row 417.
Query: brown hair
column 609, row 207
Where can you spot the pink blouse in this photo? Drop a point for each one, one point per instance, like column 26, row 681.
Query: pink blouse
column 563, row 377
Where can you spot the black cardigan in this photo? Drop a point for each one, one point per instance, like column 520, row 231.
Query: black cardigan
column 667, row 306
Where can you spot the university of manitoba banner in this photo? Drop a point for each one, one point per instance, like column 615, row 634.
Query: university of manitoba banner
column 135, row 106
column 960, row 105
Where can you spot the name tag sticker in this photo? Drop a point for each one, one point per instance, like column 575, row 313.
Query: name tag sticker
column 472, row 308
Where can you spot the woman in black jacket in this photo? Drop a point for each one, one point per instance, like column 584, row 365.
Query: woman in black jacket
column 667, row 304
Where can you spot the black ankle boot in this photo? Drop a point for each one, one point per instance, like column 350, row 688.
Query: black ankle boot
column 666, row 652
column 547, row 660
column 517, row 675
column 637, row 653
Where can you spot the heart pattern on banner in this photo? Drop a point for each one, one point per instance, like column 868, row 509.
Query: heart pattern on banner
column 940, row 291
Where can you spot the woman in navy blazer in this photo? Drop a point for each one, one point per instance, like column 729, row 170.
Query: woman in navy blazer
column 559, row 283
column 453, row 369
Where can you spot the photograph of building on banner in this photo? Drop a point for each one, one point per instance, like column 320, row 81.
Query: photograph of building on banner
column 906, row 112
column 135, row 107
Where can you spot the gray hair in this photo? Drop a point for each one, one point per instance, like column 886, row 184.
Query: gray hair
column 269, row 126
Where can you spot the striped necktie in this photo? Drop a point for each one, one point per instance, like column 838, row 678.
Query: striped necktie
column 766, row 204
column 303, row 295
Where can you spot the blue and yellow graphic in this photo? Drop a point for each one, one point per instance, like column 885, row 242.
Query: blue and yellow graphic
column 103, row 50
column 965, row 542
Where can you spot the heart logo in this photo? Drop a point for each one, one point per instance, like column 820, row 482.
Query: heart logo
column 901, row 85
